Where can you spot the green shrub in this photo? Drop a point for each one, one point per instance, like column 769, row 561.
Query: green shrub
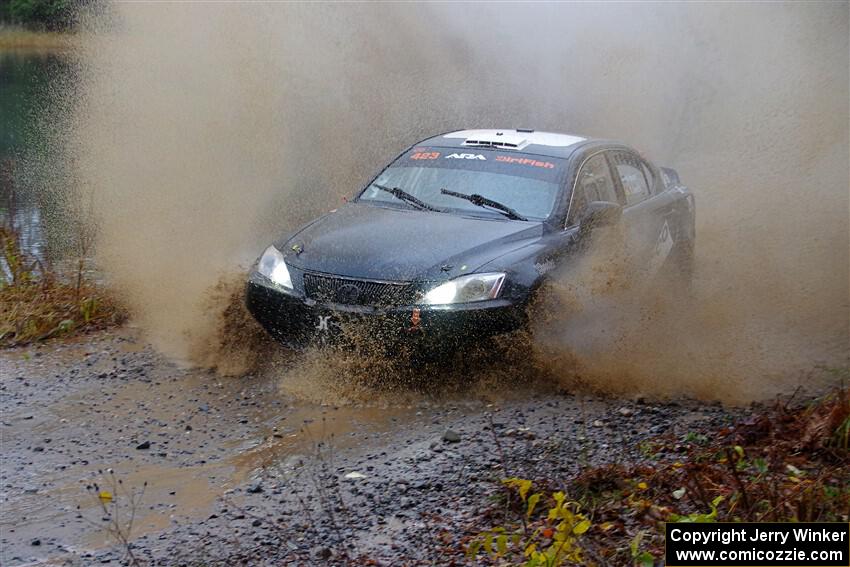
column 42, row 14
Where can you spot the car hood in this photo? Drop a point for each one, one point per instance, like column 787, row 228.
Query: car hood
column 383, row 243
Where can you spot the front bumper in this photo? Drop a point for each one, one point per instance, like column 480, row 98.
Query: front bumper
column 298, row 321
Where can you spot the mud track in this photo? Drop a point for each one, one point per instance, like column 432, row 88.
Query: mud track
column 238, row 472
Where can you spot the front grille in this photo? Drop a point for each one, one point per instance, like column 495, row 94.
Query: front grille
column 347, row 291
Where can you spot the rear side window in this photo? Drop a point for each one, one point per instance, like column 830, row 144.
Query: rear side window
column 630, row 168
column 594, row 183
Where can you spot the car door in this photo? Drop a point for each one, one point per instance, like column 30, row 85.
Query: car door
column 648, row 209
column 594, row 182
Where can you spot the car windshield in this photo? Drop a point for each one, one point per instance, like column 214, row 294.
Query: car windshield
column 527, row 184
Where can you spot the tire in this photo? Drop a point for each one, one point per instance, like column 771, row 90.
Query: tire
column 683, row 264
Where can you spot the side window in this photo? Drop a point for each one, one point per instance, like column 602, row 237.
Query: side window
column 630, row 168
column 594, row 183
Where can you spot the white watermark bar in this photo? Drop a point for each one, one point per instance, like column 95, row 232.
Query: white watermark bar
column 816, row 544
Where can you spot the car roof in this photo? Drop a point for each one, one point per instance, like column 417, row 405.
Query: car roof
column 522, row 140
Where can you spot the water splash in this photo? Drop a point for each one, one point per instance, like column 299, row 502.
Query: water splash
column 206, row 129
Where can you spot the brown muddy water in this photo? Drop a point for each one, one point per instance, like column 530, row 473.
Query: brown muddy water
column 266, row 115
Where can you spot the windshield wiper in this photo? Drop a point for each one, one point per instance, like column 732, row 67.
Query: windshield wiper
column 482, row 201
column 403, row 195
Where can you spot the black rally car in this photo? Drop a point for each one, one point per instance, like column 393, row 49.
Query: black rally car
column 452, row 239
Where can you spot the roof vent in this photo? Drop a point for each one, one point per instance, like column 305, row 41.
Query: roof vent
column 500, row 140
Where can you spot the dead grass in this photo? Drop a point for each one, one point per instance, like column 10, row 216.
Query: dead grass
column 38, row 311
column 36, row 304
column 14, row 38
column 787, row 463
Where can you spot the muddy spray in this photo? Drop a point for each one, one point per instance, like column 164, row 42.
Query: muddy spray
column 205, row 129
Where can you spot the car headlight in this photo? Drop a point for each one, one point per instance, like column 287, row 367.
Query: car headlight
column 466, row 289
column 273, row 267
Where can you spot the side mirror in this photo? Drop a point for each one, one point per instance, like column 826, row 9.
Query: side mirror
column 599, row 213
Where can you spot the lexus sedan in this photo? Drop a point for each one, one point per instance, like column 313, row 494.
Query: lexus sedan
column 453, row 239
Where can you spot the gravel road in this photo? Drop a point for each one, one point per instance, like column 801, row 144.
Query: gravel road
column 240, row 472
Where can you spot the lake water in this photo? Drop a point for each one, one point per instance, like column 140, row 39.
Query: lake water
column 28, row 81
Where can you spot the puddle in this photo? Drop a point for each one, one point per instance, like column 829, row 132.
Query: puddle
column 73, row 412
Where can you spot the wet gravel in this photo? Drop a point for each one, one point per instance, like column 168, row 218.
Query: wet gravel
column 69, row 411
column 412, row 501
column 238, row 475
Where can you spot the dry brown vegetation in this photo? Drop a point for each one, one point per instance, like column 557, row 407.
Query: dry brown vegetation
column 12, row 37
column 35, row 306
column 787, row 463
column 36, row 303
